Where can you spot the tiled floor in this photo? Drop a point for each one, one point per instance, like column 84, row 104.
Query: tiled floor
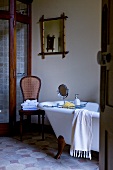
column 34, row 154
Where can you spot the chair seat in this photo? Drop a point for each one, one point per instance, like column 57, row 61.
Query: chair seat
column 31, row 112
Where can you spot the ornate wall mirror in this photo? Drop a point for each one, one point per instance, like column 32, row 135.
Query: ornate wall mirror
column 53, row 39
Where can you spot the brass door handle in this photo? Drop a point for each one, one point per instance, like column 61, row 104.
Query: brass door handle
column 103, row 58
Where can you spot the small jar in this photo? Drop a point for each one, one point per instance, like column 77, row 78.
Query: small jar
column 76, row 101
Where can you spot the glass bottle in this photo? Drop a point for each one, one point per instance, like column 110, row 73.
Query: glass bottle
column 76, row 101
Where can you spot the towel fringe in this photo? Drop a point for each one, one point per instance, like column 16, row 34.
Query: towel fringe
column 84, row 154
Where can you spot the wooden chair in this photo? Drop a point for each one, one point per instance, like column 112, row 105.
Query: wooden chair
column 30, row 87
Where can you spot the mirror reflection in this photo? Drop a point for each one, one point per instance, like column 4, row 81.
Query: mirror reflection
column 52, row 31
column 53, row 36
column 63, row 91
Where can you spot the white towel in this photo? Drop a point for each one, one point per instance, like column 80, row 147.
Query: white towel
column 30, row 105
column 81, row 138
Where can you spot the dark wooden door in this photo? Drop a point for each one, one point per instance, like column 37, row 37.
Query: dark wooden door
column 15, row 43
column 106, row 88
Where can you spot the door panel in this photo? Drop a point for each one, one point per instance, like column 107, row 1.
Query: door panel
column 106, row 93
column 110, row 150
column 4, row 5
column 21, row 62
column 109, row 98
column 4, row 71
column 21, row 8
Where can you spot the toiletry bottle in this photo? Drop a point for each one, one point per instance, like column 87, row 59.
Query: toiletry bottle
column 76, row 101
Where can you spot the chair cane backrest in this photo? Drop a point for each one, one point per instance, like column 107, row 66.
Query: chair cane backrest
column 30, row 87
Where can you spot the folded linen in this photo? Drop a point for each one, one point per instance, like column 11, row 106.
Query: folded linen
column 81, row 138
column 30, row 108
column 30, row 104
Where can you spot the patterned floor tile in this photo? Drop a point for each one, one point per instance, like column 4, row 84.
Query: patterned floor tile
column 34, row 154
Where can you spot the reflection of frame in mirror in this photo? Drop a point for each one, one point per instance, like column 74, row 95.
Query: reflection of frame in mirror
column 51, row 34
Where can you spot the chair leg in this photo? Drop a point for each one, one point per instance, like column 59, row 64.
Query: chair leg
column 39, row 123
column 21, row 126
column 29, row 127
column 43, row 125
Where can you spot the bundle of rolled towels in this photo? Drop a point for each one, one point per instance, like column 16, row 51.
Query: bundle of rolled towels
column 30, row 105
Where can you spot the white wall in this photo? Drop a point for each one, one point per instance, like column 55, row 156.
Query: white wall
column 79, row 69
